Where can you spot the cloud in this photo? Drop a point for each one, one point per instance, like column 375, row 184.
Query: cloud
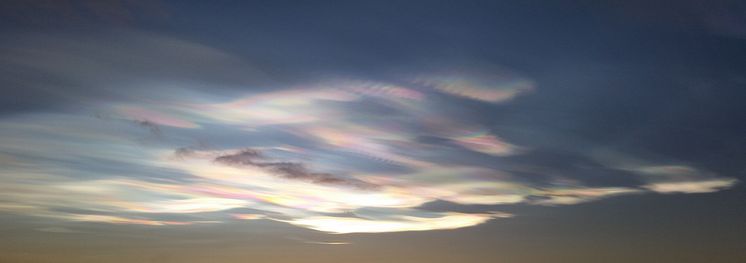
column 248, row 216
column 571, row 196
column 678, row 178
column 496, row 86
column 151, row 126
column 290, row 170
column 315, row 155
column 486, row 143
column 142, row 115
column 346, row 225
column 124, row 220
column 271, row 180
column 192, row 205
column 690, row 187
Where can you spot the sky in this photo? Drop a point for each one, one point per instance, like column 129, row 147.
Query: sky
column 372, row 131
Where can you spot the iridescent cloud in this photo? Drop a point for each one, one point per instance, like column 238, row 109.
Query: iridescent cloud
column 345, row 225
column 317, row 156
column 690, row 187
column 494, row 87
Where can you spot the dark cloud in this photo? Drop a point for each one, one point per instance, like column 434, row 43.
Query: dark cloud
column 183, row 152
column 150, row 126
column 289, row 170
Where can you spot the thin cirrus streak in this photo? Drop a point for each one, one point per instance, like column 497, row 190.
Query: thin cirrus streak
column 308, row 157
column 483, row 142
column 158, row 118
column 689, row 187
column 492, row 88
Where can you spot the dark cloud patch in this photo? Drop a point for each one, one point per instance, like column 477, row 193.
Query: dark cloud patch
column 183, row 152
column 244, row 157
column 289, row 170
column 150, row 126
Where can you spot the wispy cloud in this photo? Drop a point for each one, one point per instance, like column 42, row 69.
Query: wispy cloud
column 690, row 187
column 494, row 86
column 290, row 170
column 345, row 225
column 314, row 155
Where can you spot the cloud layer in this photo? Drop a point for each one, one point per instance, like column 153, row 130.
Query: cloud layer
column 340, row 155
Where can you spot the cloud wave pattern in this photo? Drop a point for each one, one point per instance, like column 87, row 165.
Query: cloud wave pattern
column 314, row 156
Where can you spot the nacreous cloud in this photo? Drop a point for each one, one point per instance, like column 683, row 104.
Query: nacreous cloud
column 344, row 225
column 320, row 155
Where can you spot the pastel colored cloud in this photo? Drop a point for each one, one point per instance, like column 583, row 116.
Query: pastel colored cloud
column 690, row 187
column 320, row 155
column 494, row 87
column 345, row 225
